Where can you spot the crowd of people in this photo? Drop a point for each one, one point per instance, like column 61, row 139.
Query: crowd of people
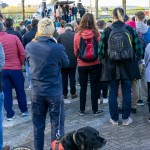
column 113, row 56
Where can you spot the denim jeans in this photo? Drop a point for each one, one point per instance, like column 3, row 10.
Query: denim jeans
column 68, row 74
column 94, row 73
column 40, row 106
column 28, row 72
column 148, row 100
column 14, row 78
column 1, row 119
column 113, row 103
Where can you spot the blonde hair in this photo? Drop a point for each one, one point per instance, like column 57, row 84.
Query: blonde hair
column 119, row 16
column 46, row 27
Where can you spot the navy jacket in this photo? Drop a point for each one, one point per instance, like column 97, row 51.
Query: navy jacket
column 74, row 10
column 46, row 59
column 12, row 31
column 29, row 36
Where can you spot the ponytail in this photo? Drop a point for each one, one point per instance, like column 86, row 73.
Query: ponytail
column 118, row 13
column 120, row 17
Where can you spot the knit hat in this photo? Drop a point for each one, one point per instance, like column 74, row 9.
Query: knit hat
column 69, row 25
column 46, row 27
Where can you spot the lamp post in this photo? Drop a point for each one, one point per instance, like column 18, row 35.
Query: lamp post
column 96, row 6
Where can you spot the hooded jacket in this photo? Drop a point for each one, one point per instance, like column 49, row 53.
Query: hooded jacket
column 86, row 34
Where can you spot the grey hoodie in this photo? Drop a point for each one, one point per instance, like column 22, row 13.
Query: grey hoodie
column 141, row 27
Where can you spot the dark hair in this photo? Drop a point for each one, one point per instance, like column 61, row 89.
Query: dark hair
column 126, row 18
column 148, row 22
column 118, row 13
column 78, row 21
column 22, row 23
column 140, row 15
column 109, row 21
column 88, row 22
column 133, row 18
column 17, row 28
column 101, row 24
column 8, row 22
column 28, row 27
column 34, row 23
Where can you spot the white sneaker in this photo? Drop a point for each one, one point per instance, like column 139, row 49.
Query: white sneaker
column 67, row 101
column 25, row 114
column 105, row 100
column 126, row 122
column 10, row 119
column 113, row 122
column 99, row 101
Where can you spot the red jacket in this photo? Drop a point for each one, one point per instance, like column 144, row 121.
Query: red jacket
column 85, row 35
column 14, row 51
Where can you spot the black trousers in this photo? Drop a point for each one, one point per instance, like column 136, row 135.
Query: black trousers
column 94, row 73
column 148, row 100
column 69, row 73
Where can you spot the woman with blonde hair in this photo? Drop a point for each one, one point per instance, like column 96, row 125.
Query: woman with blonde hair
column 120, row 50
column 88, row 32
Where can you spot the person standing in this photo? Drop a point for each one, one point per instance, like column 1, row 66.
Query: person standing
column 147, row 73
column 26, row 39
column 2, row 62
column 74, row 12
column 81, row 11
column 144, row 32
column 67, row 40
column 46, row 58
column 64, row 13
column 88, row 33
column 9, row 24
column 12, row 73
column 119, row 67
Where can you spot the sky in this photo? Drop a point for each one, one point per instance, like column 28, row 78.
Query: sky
column 141, row 3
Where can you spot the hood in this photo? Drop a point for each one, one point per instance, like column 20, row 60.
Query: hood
column 87, row 34
column 131, row 23
column 141, row 27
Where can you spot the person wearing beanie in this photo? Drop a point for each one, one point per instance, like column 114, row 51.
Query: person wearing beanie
column 69, row 72
column 46, row 58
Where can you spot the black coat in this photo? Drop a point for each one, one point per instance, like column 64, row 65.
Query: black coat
column 12, row 31
column 67, row 40
column 29, row 36
column 119, row 70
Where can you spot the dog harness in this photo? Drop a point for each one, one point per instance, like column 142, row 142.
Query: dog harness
column 56, row 145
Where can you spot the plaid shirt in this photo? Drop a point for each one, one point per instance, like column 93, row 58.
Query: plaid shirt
column 135, row 43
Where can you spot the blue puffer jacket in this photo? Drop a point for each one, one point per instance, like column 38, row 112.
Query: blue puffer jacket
column 46, row 59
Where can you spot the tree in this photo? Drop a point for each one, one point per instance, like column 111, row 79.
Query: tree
column 23, row 10
column 124, row 5
column 53, row 1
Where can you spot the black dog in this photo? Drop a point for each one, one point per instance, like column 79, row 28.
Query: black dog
column 86, row 138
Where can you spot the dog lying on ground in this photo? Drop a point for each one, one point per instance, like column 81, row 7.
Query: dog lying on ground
column 86, row 138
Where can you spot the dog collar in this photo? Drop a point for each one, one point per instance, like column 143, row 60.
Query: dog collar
column 56, row 145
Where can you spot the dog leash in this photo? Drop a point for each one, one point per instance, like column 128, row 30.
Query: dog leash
column 58, row 132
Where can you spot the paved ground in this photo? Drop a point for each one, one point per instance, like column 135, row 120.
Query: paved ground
column 134, row 137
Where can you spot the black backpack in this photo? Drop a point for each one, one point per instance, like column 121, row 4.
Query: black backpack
column 120, row 44
column 143, row 42
column 88, row 51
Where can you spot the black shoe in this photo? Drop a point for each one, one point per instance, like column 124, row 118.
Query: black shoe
column 120, row 110
column 133, row 110
column 81, row 113
column 99, row 112
column 140, row 102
